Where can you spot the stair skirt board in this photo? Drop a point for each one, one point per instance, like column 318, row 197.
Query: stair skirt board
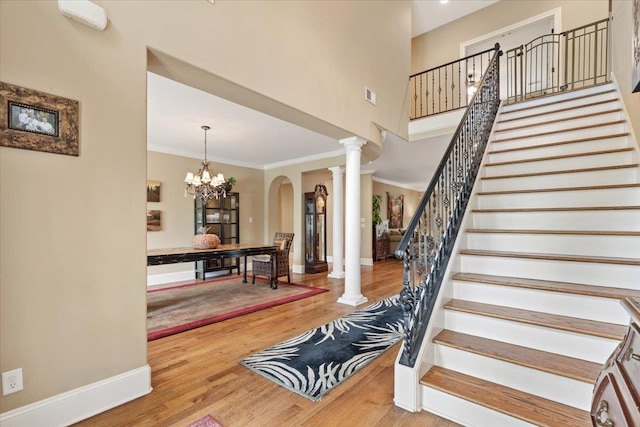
column 465, row 412
column 579, row 306
column 571, row 344
column 567, row 391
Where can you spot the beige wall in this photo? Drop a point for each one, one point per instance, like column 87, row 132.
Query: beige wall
column 177, row 210
column 442, row 44
column 411, row 200
column 622, row 47
column 73, row 236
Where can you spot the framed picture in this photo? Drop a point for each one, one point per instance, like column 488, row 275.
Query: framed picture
column 153, row 191
column 395, row 210
column 34, row 120
column 635, row 73
column 154, row 220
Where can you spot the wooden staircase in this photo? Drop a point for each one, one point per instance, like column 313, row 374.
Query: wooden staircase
column 552, row 244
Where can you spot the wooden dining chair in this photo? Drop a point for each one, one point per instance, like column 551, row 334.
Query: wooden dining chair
column 265, row 265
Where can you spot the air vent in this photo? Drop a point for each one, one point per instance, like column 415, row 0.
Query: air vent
column 370, row 95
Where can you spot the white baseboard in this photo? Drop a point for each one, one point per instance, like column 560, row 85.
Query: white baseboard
column 178, row 276
column 83, row 402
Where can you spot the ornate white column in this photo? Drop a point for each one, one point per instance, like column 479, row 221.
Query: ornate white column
column 338, row 223
column 352, row 290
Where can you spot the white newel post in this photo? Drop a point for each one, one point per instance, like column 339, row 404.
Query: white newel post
column 338, row 223
column 352, row 290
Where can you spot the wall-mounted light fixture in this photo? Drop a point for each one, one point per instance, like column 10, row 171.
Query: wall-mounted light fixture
column 84, row 11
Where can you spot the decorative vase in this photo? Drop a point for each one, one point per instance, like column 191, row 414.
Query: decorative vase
column 205, row 240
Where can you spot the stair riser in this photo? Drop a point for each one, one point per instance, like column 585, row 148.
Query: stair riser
column 573, row 148
column 591, row 161
column 581, row 306
column 575, row 179
column 465, row 412
column 622, row 276
column 554, row 115
column 516, row 131
column 588, row 245
column 576, row 98
column 569, row 344
column 600, row 131
column 604, row 197
column 564, row 390
column 625, row 220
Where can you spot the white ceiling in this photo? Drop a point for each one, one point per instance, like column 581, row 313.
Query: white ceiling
column 429, row 14
column 245, row 137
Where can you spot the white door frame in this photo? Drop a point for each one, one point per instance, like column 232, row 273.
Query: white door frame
column 556, row 14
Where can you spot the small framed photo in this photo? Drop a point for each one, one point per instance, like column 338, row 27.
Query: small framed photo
column 154, row 220
column 39, row 121
column 153, row 191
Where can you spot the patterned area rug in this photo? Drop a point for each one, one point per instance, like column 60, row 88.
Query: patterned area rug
column 181, row 308
column 315, row 362
column 206, row 421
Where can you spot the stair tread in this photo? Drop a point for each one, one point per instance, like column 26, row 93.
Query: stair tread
column 536, row 135
column 553, row 257
column 553, row 144
column 561, row 110
column 561, row 156
column 557, row 364
column 560, row 209
column 560, row 101
column 548, row 190
column 548, row 285
column 547, row 320
column 515, row 403
column 564, row 119
column 563, row 232
column 563, row 171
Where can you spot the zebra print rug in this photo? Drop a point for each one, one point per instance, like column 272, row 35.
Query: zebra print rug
column 316, row 361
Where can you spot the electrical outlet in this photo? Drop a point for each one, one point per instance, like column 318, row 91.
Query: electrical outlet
column 12, row 381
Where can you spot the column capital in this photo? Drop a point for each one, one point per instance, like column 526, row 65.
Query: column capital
column 353, row 143
column 337, row 170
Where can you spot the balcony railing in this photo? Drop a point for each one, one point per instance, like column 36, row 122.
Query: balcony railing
column 448, row 87
column 427, row 244
column 557, row 62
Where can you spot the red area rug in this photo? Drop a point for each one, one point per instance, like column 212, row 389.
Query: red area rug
column 180, row 308
column 206, row 421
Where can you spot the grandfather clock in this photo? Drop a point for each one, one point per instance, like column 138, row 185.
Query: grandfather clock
column 315, row 230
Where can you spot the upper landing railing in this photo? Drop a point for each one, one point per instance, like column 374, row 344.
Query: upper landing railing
column 553, row 63
column 448, row 87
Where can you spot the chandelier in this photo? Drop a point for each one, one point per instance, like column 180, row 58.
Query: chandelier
column 204, row 184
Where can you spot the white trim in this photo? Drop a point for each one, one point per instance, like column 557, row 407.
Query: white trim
column 634, row 140
column 194, row 155
column 399, row 184
column 178, row 276
column 300, row 160
column 366, row 261
column 556, row 14
column 83, row 402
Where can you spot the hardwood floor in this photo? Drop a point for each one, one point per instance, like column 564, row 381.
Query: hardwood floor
column 196, row 373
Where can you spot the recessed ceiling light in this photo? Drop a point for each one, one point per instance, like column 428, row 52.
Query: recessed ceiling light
column 444, row 1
